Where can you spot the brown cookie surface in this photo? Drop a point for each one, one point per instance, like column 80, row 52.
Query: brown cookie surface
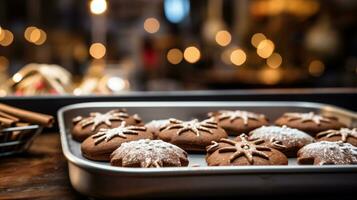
column 285, row 139
column 100, row 145
column 310, row 123
column 147, row 153
column 87, row 126
column 243, row 151
column 327, row 153
column 343, row 134
column 237, row 122
column 154, row 126
column 191, row 135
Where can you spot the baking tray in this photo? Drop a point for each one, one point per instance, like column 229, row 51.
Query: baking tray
column 99, row 179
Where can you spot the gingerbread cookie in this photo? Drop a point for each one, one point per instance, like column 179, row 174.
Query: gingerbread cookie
column 147, row 153
column 100, row 145
column 191, row 135
column 285, row 139
column 310, row 123
column 243, row 151
column 344, row 135
column 327, row 153
column 155, row 126
column 237, row 122
column 87, row 126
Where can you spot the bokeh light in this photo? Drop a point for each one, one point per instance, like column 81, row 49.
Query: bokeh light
column 174, row 56
column 192, row 54
column 42, row 39
column 316, row 68
column 98, row 7
column 223, row 38
column 238, row 57
column 274, row 61
column 151, row 25
column 17, row 77
column 257, row 38
column 116, row 84
column 77, row 91
column 35, row 35
column 97, row 50
column 265, row 48
column 176, row 10
column 270, row 76
column 6, row 37
column 28, row 32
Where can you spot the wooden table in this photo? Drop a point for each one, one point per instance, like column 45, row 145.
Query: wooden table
column 41, row 173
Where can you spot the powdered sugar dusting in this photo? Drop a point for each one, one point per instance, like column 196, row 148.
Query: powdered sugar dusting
column 326, row 152
column 149, row 153
column 287, row 136
column 156, row 125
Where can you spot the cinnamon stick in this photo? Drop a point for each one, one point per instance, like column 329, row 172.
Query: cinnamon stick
column 5, row 122
column 5, row 115
column 28, row 116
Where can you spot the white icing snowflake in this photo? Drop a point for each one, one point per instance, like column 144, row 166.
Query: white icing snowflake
column 245, row 147
column 121, row 131
column 233, row 115
column 343, row 132
column 194, row 125
column 305, row 117
column 97, row 118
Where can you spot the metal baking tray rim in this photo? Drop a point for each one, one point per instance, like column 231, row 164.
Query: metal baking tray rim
column 171, row 171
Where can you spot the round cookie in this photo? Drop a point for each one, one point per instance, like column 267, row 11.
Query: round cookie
column 285, row 139
column 327, row 153
column 147, row 153
column 243, row 151
column 237, row 122
column 191, row 135
column 344, row 135
column 155, row 126
column 310, row 123
column 87, row 126
column 100, row 145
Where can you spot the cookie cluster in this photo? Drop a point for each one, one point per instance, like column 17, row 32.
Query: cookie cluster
column 228, row 137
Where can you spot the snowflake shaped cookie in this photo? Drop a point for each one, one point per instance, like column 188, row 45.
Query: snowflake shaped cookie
column 105, row 134
column 149, row 153
column 306, row 117
column 194, row 126
column 245, row 147
column 237, row 114
column 328, row 153
column 95, row 118
column 343, row 132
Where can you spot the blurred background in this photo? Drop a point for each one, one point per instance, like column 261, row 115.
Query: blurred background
column 85, row 47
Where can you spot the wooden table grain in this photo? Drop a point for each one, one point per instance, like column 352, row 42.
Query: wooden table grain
column 41, row 173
